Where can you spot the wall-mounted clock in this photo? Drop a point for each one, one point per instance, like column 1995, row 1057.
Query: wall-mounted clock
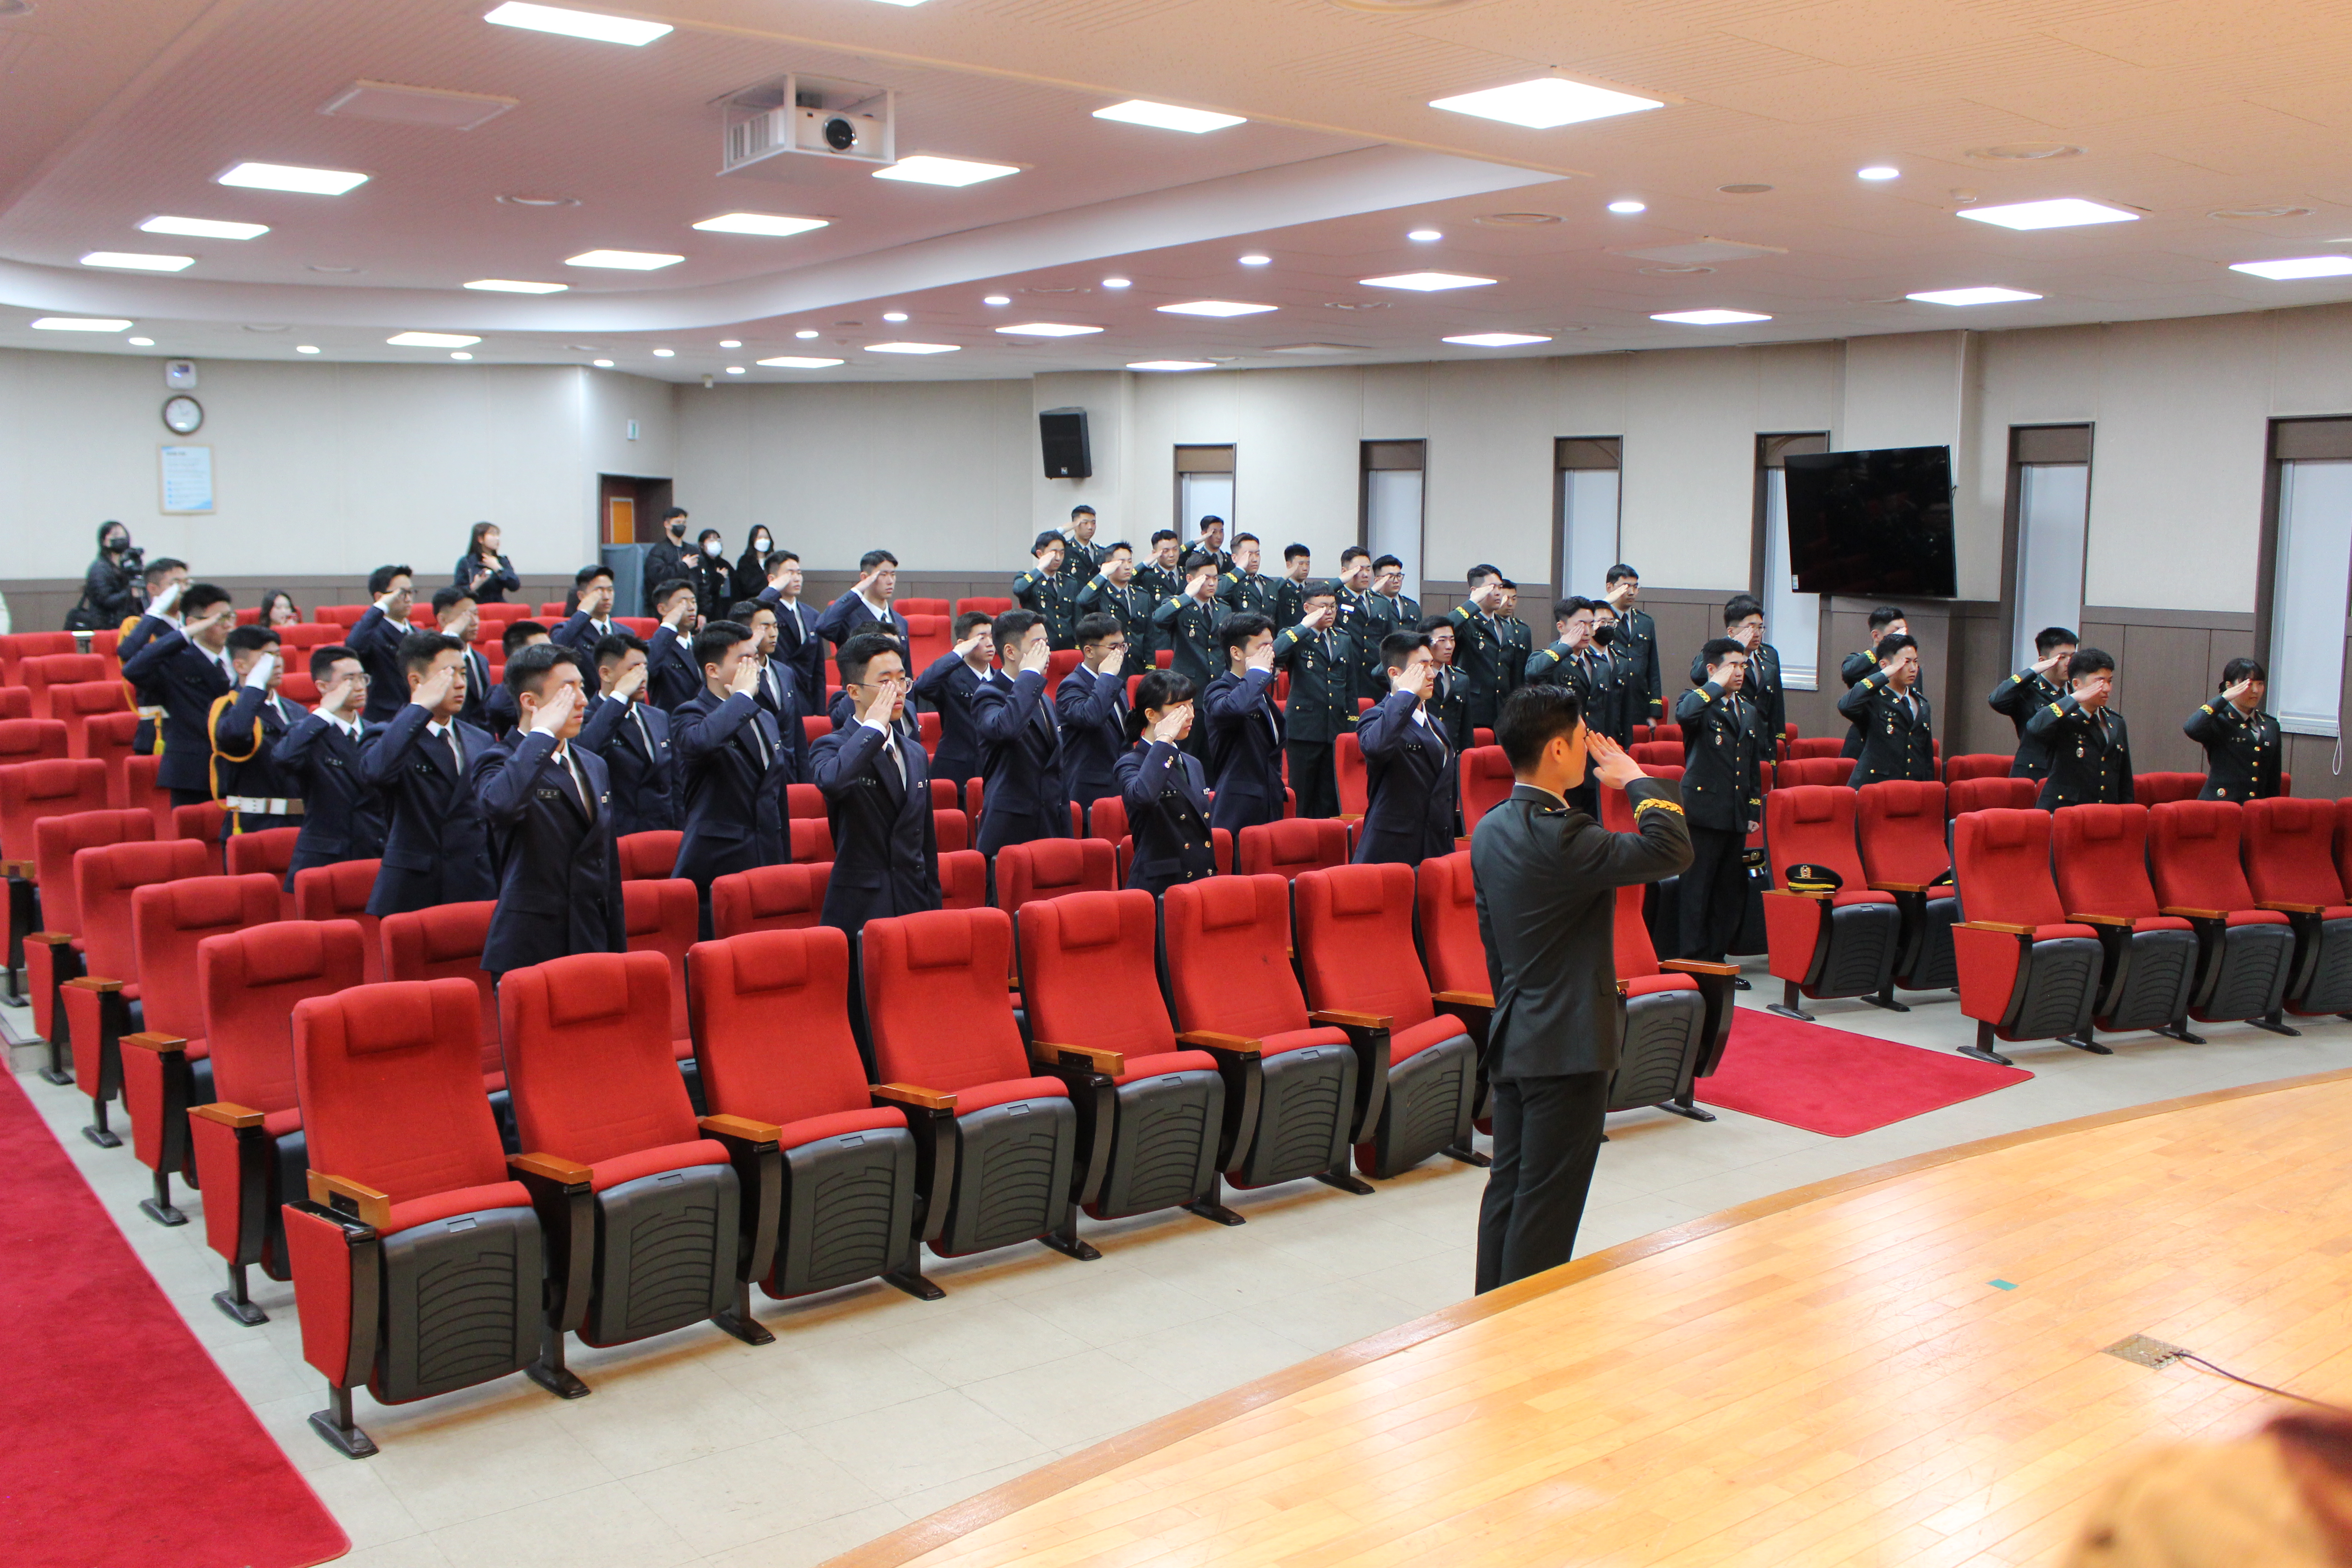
column 183, row 414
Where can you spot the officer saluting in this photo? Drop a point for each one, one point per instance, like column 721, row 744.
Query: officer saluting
column 1723, row 796
column 1898, row 735
column 1610, row 674
column 1482, row 653
column 2089, row 750
column 1044, row 592
column 2242, row 742
column 1245, row 589
column 1886, row 621
column 1190, row 622
column 1637, row 641
column 1568, row 662
column 1113, row 592
column 2030, row 690
column 1321, row 706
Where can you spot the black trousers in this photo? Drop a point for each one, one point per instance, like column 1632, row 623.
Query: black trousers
column 1314, row 777
column 1547, row 1137
column 1713, row 896
column 189, row 796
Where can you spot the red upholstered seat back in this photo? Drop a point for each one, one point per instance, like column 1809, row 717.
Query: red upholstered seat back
column 1900, row 826
column 963, row 879
column 985, row 604
column 1048, row 868
column 663, row 917
column 271, row 850
column 247, row 985
column 2003, row 861
column 804, row 800
column 55, row 841
column 1089, row 975
column 1976, row 765
column 1451, row 947
column 1989, row 793
column 1355, row 782
column 1228, row 963
column 141, row 791
column 1647, row 753
column 1814, row 825
column 589, row 1059
column 924, row 970
column 2344, row 840
column 929, row 634
column 168, row 920
column 1485, row 783
column 15, row 703
column 1818, row 746
column 1292, row 846
column 25, row 739
column 347, row 614
column 2100, row 857
column 951, row 830
column 105, row 877
column 391, row 1089
column 811, row 840
column 1814, row 771
column 744, row 987
column 1107, row 819
column 43, row 673
column 2193, row 855
column 1636, row 956
column 910, row 609
column 1667, row 733
column 202, row 821
column 341, row 893
column 1355, row 942
column 446, row 943
column 944, row 793
column 767, row 897
column 650, row 856
column 75, row 704
column 2155, row 789
column 47, row 787
column 2290, row 851
column 107, row 738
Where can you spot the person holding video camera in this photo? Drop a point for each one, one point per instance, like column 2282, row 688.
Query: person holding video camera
column 109, row 589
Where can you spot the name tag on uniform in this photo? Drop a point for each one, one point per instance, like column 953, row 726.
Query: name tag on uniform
column 550, row 794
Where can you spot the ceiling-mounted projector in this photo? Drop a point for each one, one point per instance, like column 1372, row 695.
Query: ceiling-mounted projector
column 820, row 117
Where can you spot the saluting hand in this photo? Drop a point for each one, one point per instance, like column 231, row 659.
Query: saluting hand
column 2240, row 690
column 1262, row 657
column 1172, row 724
column 1612, row 763
column 1038, row 655
column 629, row 684
column 1417, row 680
column 2045, row 666
column 746, row 679
column 878, row 706
column 556, row 711
column 435, row 689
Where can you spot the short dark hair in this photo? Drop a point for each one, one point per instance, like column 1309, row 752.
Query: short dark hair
column 711, row 643
column 666, row 591
column 2088, row 661
column 161, row 565
column 862, row 651
column 324, row 656
column 1532, row 718
column 1432, row 624
column 2050, row 637
column 1081, row 508
column 1888, row 646
column 443, row 598
column 1719, row 648
column 203, row 596
column 519, row 635
column 741, row 611
column 669, row 513
column 527, row 671
column 1116, row 546
column 614, row 646
column 967, row 619
column 1241, row 539
column 1094, row 627
column 1317, row 588
column 1738, row 607
column 380, row 580
column 873, row 558
column 1160, row 533
column 1238, row 629
column 245, row 639
column 1293, row 551
column 1483, row 570
column 419, row 649
column 1574, row 603
column 1396, row 649
column 1382, row 562
column 2242, row 668
column 1156, row 688
column 1211, row 520
column 590, row 572
column 1197, row 559
column 777, row 558
column 1047, row 538
column 1620, row 571
column 1010, row 627
column 707, row 535
column 1351, row 553
column 1507, row 583
column 1886, row 616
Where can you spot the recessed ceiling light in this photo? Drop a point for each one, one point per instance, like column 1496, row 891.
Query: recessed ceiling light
column 799, row 362
column 299, row 348
column 1426, row 283
column 2288, row 271
column 204, row 227
column 266, row 326
column 292, row 177
column 761, row 222
column 2059, row 212
column 894, row 315
column 1971, row 295
column 1425, row 235
column 1167, row 116
column 734, row 369
column 1215, row 307
column 1255, row 260
column 912, row 348
column 431, row 341
column 2026, row 152
column 149, row 343
column 531, row 201
column 998, row 300
column 664, row 354
column 807, row 332
column 602, row 364
column 461, row 354
column 79, row 324
column 1172, row 364
column 624, row 260
column 1709, row 318
column 1628, row 207
column 515, row 286
column 1745, row 188
column 1545, row 103
column 1046, row 329
column 592, row 25
column 1498, row 340
column 1684, row 271
column 1878, row 172
column 731, row 343
column 2259, row 212
column 138, row 261
column 1119, row 282
column 325, row 266
column 583, row 348
column 1519, row 220
column 923, row 169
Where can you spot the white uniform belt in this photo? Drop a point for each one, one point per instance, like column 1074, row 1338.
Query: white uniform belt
column 258, row 805
column 150, row 712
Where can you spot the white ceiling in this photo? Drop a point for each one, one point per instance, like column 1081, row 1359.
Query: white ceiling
column 2182, row 107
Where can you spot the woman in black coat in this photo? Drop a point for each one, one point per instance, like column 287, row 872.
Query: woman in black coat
column 109, row 589
column 1166, row 796
column 2243, row 752
column 482, row 571
column 714, row 580
column 752, row 566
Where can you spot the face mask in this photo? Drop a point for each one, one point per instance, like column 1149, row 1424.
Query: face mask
column 711, row 547
column 763, row 545
column 1603, row 636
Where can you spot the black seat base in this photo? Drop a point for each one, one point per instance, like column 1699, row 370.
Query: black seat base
column 461, row 1303
column 1163, row 1150
column 848, row 1212
column 1012, row 1175
column 1308, row 1097
column 1427, row 1109
column 1662, row 1034
column 666, row 1253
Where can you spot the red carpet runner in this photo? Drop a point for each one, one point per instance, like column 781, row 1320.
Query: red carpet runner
column 121, row 1446
column 1830, row 1081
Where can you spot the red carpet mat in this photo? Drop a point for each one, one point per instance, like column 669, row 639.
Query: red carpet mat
column 121, row 1446
column 1830, row 1081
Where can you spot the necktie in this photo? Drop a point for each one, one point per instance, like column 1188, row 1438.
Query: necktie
column 645, row 736
column 456, row 750
column 571, row 771
column 760, row 739
column 895, row 759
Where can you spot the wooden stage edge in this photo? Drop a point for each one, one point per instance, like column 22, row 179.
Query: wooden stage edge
column 910, row 1542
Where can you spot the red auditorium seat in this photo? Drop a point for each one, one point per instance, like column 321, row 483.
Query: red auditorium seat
column 407, row 1184
column 803, row 801
column 552, row 611
column 48, row 787
column 1816, row 747
column 1291, row 847
column 815, row 727
column 2247, row 952
column 1830, row 770
column 811, row 840
column 1355, row 784
column 767, row 897
column 1980, row 765
column 910, row 609
column 33, row 741
column 1107, row 819
column 1446, row 901
column 1153, row 1117
column 1233, row 988
column 204, row 823
column 1356, row 954
column 2290, row 867
column 96, row 1011
column 341, row 893
column 1653, row 753
column 951, row 830
column 963, row 879
column 271, row 850
column 15, row 703
column 141, row 791
column 53, row 954
column 1989, row 793
column 1667, row 733
column 446, row 942
column 343, row 615
column 929, row 635
column 1674, row 1018
column 108, row 738
column 663, row 916
column 974, row 789
column 853, row 1167
column 987, row 606
column 167, row 1066
column 673, row 1217
column 1015, row 1129
column 649, row 856
column 927, row 725
column 75, row 705
column 2343, row 841
column 17, row 647
column 1826, row 943
column 2026, row 972
column 297, row 685
column 2155, row 789
column 1048, row 868
column 41, row 674
column 1900, row 828
column 2148, row 975
column 1486, row 782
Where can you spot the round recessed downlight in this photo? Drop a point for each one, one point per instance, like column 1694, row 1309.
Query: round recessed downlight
column 664, row 354
column 1629, row 206
column 2026, row 152
column 1519, row 220
column 149, row 343
column 731, row 343
column 734, row 369
column 299, row 348
column 998, row 300
column 460, row 354
column 602, row 364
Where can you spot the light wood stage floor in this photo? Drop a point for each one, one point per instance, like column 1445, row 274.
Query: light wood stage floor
column 1903, row 1365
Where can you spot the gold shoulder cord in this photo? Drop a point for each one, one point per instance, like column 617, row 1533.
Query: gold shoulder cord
column 1641, row 806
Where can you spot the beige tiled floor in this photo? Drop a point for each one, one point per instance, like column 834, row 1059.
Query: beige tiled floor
column 872, row 1409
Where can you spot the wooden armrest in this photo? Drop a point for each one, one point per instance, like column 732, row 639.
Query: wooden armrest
column 742, row 1127
column 239, row 1116
column 921, row 1098
column 1463, row 999
column 92, row 982
column 1698, row 966
column 2182, row 912
column 374, row 1208
column 1622, row 988
column 2122, row 921
column 1813, row 895
column 548, row 1167
column 1999, row 926
column 155, row 1040
column 16, row 869
column 1899, row 887
column 1013, row 982
column 1109, row 1062
column 2283, row 907
column 1339, row 1018
column 1209, row 1039
column 51, row 937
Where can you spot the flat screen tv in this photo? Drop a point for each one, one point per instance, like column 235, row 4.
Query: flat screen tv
column 1872, row 525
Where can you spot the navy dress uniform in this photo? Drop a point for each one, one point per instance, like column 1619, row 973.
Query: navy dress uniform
column 551, row 823
column 437, row 847
column 734, row 765
column 1320, row 708
column 246, row 780
column 1722, row 792
column 670, row 676
column 1168, row 815
column 319, row 758
column 1409, row 784
column 1093, row 711
column 1898, row 734
column 2018, row 699
column 947, row 686
column 2089, row 752
column 799, row 649
column 2242, row 751
column 186, row 680
column 1053, row 596
column 1645, row 700
column 1192, row 628
column 632, row 739
column 1130, row 609
column 135, row 634
column 885, row 852
column 375, row 637
column 1023, row 756
column 1245, row 741
column 1572, row 671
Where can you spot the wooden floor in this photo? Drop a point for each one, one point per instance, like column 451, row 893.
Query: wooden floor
column 1901, row 1366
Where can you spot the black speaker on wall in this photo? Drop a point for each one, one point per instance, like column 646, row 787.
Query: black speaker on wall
column 1062, row 432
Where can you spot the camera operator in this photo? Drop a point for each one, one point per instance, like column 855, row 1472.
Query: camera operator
column 109, row 589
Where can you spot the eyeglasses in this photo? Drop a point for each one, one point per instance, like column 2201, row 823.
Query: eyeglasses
column 889, row 682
